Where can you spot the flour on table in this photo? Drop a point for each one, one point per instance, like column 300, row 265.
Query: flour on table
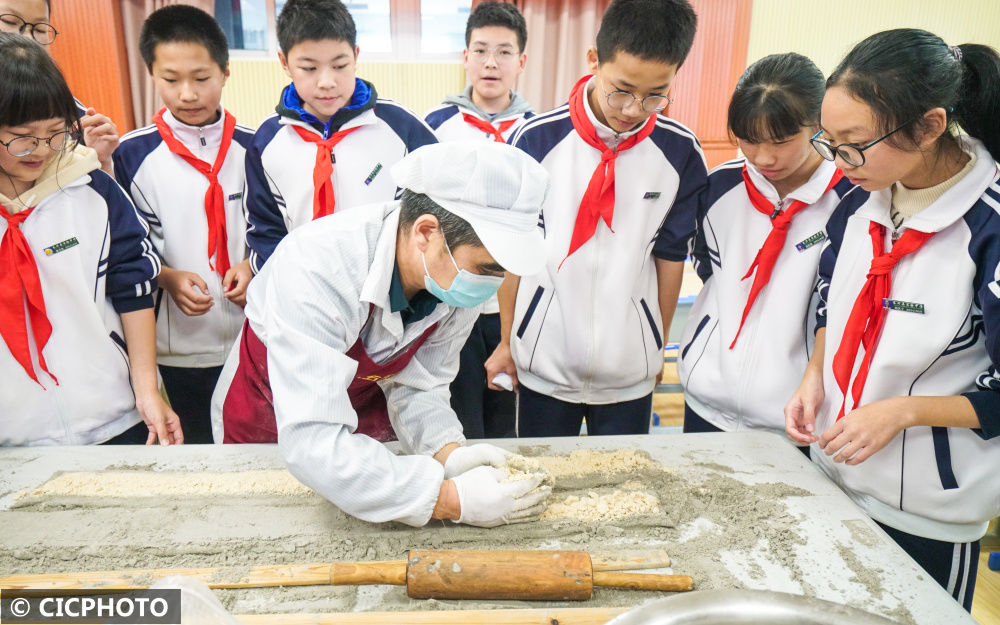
column 175, row 484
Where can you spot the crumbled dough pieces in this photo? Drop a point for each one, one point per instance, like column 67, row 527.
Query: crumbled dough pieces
column 170, row 484
column 521, row 468
column 594, row 507
column 583, row 461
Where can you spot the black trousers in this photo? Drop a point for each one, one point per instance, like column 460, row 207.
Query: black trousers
column 541, row 415
column 135, row 435
column 484, row 413
column 952, row 565
column 189, row 390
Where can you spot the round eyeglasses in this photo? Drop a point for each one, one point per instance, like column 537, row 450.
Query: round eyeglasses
column 619, row 99
column 26, row 144
column 850, row 153
column 39, row 31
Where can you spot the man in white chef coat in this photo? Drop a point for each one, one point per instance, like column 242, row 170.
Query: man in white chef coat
column 353, row 333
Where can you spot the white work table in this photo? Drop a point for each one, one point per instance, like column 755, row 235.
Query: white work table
column 836, row 541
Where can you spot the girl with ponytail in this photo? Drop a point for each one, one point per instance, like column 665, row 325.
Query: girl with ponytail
column 901, row 399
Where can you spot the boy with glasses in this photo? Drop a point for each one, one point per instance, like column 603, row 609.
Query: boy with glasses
column 30, row 18
column 586, row 333
column 332, row 141
column 488, row 110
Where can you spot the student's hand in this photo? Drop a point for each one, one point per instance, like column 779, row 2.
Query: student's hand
column 485, row 500
column 235, row 283
column 501, row 361
column 867, row 429
column 188, row 291
column 800, row 411
column 469, row 457
column 163, row 423
column 99, row 132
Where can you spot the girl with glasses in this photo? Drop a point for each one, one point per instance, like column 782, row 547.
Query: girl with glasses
column 77, row 272
column 901, row 398
column 760, row 232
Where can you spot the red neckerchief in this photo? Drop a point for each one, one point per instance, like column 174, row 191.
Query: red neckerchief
column 864, row 325
column 323, row 200
column 215, row 199
column 768, row 254
column 20, row 285
column 488, row 128
column 599, row 199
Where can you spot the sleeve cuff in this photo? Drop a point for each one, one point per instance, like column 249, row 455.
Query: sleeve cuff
column 987, row 407
column 671, row 255
column 132, row 304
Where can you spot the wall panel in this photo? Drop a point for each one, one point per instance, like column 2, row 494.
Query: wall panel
column 825, row 30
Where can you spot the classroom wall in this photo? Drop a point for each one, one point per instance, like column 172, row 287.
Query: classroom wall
column 825, row 30
column 253, row 87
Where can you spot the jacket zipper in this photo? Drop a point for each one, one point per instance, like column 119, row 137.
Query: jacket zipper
column 201, row 137
column 749, row 361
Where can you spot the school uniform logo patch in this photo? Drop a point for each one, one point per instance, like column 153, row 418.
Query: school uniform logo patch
column 896, row 304
column 373, row 173
column 61, row 246
column 810, row 241
column 235, row 196
column 651, row 195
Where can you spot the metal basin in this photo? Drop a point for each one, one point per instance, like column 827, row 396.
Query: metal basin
column 738, row 607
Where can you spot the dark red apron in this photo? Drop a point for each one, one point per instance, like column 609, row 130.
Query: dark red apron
column 248, row 412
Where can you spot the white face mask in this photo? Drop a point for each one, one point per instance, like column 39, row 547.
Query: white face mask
column 467, row 290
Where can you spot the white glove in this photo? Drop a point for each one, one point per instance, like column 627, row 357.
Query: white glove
column 486, row 501
column 469, row 457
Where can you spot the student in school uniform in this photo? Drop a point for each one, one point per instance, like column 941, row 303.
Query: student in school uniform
column 587, row 332
column 353, row 332
column 488, row 110
column 78, row 349
column 31, row 18
column 761, row 225
column 332, row 140
column 901, row 399
column 185, row 174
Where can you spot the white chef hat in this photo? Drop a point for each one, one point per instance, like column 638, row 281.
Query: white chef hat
column 495, row 187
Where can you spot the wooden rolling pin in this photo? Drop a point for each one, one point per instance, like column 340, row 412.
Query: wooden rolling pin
column 312, row 574
column 438, row 574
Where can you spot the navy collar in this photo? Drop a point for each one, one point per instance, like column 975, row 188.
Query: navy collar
column 411, row 311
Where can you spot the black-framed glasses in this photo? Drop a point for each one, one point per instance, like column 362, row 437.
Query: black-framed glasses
column 26, row 144
column 39, row 31
column 852, row 154
column 620, row 99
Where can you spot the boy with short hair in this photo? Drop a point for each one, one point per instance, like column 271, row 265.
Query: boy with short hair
column 31, row 19
column 488, row 110
column 587, row 332
column 185, row 173
column 332, row 140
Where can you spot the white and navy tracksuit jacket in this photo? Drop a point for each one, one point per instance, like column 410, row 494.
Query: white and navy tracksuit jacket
column 934, row 482
column 279, row 164
column 449, row 125
column 747, row 387
column 591, row 332
column 94, row 262
column 170, row 194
